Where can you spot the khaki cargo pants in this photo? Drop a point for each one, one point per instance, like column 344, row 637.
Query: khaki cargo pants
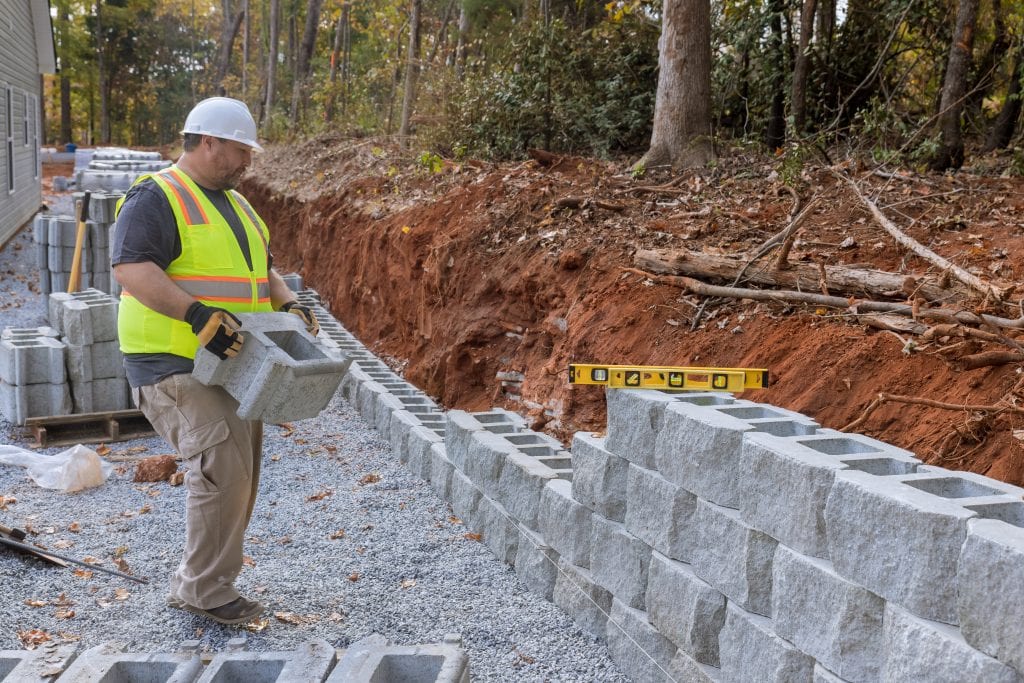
column 222, row 453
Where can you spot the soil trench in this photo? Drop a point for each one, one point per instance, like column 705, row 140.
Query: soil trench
column 481, row 291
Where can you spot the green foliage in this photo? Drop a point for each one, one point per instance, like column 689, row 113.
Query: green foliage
column 430, row 162
column 561, row 90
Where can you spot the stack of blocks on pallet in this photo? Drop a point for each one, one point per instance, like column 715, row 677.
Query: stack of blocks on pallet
column 55, row 238
column 114, row 169
column 33, row 378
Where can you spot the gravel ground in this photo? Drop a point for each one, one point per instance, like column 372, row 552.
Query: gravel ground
column 332, row 556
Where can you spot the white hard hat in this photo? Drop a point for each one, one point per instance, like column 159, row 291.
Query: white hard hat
column 223, row 117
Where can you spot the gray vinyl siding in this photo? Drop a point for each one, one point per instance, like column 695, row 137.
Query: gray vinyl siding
column 19, row 70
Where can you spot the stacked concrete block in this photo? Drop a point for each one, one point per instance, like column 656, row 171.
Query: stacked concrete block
column 751, row 651
column 685, row 609
column 641, row 652
column 536, row 564
column 281, row 374
column 56, row 238
column 565, row 523
column 582, row 598
column 619, row 561
column 33, row 379
column 40, row 665
column 599, row 477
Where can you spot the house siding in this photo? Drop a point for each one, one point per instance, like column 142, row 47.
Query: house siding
column 19, row 72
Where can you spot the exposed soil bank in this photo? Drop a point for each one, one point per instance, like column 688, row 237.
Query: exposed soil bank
column 483, row 291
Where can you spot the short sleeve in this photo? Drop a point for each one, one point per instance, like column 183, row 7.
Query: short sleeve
column 146, row 229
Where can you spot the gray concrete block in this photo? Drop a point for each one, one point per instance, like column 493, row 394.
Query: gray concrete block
column 565, row 523
column 599, row 478
column 751, row 652
column 484, row 460
column 465, row 499
column 459, row 429
column 102, row 282
column 441, row 470
column 62, row 231
column 634, row 421
column 836, row 622
column 990, row 575
column 619, row 561
column 86, row 319
column 401, row 424
column 536, row 564
column 102, row 206
column 897, row 541
column 59, row 282
column 500, row 531
column 916, row 650
column 108, row 662
column 21, row 333
column 685, row 608
column 636, row 647
column 823, row 675
column 99, row 261
column 95, row 361
column 61, row 259
column 32, row 361
column 372, row 660
column 582, row 598
column 366, row 400
column 308, row 663
column 294, row 281
column 786, row 481
column 34, row 400
column 683, row 667
column 419, row 444
column 350, row 383
column 387, row 405
column 279, row 375
column 101, row 395
column 733, row 557
column 660, row 513
column 40, row 665
column 520, row 484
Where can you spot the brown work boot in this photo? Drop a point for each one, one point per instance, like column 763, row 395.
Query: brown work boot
column 238, row 611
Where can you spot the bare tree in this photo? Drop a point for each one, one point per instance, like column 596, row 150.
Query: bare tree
column 681, row 134
column 954, row 88
column 460, row 45
column 275, row 8
column 230, row 24
column 341, row 33
column 411, row 71
column 305, row 56
column 801, row 66
column 775, row 134
column 1002, row 130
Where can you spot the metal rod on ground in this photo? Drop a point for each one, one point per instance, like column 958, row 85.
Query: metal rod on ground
column 39, row 551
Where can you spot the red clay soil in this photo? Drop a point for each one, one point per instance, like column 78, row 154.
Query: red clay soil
column 461, row 279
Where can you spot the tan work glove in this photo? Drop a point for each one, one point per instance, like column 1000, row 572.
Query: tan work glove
column 304, row 312
column 216, row 328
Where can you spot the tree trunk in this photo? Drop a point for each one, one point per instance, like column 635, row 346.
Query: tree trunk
column 65, row 82
column 305, row 56
column 268, row 109
column 442, row 33
column 101, row 75
column 985, row 75
column 246, row 29
column 460, row 46
column 681, row 136
column 1002, row 130
column 775, row 135
column 801, row 66
column 411, row 71
column 230, row 26
column 339, row 31
column 954, row 87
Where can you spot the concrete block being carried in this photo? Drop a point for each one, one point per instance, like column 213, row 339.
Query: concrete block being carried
column 281, row 373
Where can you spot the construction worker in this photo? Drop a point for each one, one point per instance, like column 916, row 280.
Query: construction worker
column 190, row 252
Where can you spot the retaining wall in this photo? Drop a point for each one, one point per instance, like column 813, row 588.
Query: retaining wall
column 706, row 538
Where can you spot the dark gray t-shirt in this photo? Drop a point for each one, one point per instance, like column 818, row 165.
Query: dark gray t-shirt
column 147, row 231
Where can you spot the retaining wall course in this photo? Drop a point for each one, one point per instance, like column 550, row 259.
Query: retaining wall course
column 500, row 532
column 786, row 481
column 660, row 513
column 521, row 484
column 485, row 459
column 733, row 557
column 897, row 541
column 684, row 669
column 600, row 477
column 635, row 645
column 279, row 375
column 582, row 598
column 685, row 608
column 751, row 652
column 441, row 471
column 917, row 650
column 565, row 523
column 827, row 617
column 991, row 576
column 536, row 564
column 619, row 561
column 634, row 420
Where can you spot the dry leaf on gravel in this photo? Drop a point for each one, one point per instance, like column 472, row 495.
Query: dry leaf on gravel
column 103, row 450
column 320, row 496
column 89, row 559
column 176, row 479
column 120, row 551
column 122, row 594
column 248, row 561
column 69, row 637
column 340, row 533
column 63, row 601
column 74, row 527
column 5, row 501
column 33, row 638
column 64, row 614
column 61, row 544
column 371, row 478
column 473, row 536
column 36, row 603
column 122, row 565
column 257, row 625
column 353, row 577
column 288, row 618
column 454, row 520
column 408, row 583
column 288, row 428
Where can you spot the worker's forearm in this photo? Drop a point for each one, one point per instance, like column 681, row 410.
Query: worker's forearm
column 280, row 292
column 148, row 283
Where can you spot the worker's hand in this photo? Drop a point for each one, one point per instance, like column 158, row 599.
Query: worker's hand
column 304, row 312
column 216, row 328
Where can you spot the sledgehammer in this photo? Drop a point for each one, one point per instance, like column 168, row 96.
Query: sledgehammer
column 8, row 536
column 76, row 263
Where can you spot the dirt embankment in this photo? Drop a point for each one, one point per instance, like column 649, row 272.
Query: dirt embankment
column 482, row 286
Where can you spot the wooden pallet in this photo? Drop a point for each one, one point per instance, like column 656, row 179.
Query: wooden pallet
column 66, row 430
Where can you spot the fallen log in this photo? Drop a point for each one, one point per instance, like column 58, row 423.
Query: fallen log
column 799, row 276
column 988, row 359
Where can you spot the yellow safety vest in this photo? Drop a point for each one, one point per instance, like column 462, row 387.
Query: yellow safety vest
column 211, row 267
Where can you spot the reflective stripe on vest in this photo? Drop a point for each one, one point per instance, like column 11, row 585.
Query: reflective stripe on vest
column 211, row 267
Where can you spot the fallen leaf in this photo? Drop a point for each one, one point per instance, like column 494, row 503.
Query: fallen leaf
column 122, row 565
column 353, row 577
column 284, row 540
column 331, row 449
column 256, row 625
column 360, row 550
column 200, row 631
column 320, row 496
column 261, row 589
column 63, row 601
column 526, row 658
column 74, row 527
column 145, row 509
column 89, row 559
column 248, row 561
column 408, row 583
column 103, row 450
column 371, row 478
column 288, row 618
column 275, row 458
column 473, row 536
column 104, row 602
column 454, row 520
column 340, row 533
column 64, row 614
column 36, row 603
column 120, row 551
column 176, row 479
column 69, row 637
column 82, row 573
column 122, row 594
column 5, row 501
column 288, row 428
column 33, row 638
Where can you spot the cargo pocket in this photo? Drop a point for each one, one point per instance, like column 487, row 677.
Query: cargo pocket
column 212, row 456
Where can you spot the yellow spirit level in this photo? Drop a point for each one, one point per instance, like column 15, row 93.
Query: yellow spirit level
column 682, row 379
